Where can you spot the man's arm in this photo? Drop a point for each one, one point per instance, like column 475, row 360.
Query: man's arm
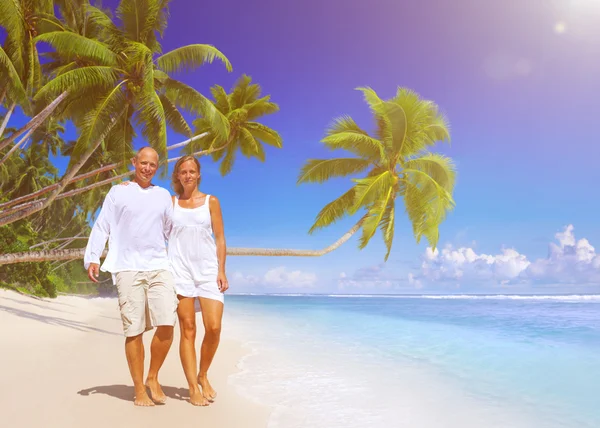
column 168, row 221
column 99, row 236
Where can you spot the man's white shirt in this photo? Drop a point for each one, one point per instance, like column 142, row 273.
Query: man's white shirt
column 136, row 222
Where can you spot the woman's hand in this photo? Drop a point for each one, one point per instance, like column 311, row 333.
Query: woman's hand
column 222, row 282
column 124, row 183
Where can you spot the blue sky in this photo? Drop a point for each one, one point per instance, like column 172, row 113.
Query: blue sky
column 518, row 82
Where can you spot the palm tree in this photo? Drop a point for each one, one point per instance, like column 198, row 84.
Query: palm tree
column 242, row 107
column 20, row 67
column 121, row 82
column 397, row 163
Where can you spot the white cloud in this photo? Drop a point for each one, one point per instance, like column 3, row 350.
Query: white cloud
column 378, row 278
column 569, row 261
column 276, row 278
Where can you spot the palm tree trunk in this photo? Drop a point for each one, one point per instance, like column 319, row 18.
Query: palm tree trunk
column 80, row 177
column 49, row 255
column 74, row 192
column 35, row 122
column 4, row 91
column 16, row 146
column 6, row 118
column 40, row 205
column 72, row 238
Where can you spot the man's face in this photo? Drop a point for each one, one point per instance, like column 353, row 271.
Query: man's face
column 146, row 164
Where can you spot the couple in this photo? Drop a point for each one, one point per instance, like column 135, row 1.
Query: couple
column 156, row 286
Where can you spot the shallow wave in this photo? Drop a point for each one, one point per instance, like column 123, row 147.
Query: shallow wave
column 549, row 297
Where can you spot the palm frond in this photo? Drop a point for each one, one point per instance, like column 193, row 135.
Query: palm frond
column 374, row 217
column 261, row 107
column 334, row 211
column 265, row 134
column 244, row 92
column 99, row 122
column 80, row 80
column 174, row 117
column 189, row 99
column 427, row 204
column 72, row 44
column 321, row 170
column 47, row 22
column 151, row 117
column 387, row 225
column 105, row 27
column 16, row 90
column 221, row 99
column 249, row 146
column 345, row 134
column 370, row 189
column 190, row 57
column 137, row 17
column 440, row 168
column 229, row 158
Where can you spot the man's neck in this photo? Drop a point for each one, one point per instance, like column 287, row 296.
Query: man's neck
column 142, row 184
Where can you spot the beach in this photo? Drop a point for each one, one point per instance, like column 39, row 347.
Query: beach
column 318, row 361
column 63, row 365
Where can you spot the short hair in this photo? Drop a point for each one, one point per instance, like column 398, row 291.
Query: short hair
column 137, row 155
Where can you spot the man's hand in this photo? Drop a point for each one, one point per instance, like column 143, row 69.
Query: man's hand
column 93, row 271
column 222, row 282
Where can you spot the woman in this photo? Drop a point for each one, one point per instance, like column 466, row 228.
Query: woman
column 198, row 264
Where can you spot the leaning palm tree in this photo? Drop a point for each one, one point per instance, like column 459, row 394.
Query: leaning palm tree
column 242, row 107
column 396, row 164
column 122, row 82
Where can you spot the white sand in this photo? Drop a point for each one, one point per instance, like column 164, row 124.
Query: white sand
column 62, row 364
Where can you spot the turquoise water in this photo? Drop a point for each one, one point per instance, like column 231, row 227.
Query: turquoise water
column 443, row 361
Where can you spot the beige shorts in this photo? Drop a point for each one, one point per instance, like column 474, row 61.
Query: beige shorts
column 146, row 300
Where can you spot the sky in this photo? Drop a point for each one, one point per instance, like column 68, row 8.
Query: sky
column 518, row 81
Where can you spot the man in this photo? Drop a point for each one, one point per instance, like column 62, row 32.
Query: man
column 136, row 220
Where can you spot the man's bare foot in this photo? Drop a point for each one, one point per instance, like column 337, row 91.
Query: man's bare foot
column 197, row 399
column 156, row 392
column 142, row 399
column 207, row 389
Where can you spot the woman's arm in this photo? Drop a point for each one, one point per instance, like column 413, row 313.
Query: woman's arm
column 218, row 230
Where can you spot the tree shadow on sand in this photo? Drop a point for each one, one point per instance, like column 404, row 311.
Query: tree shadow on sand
column 127, row 392
column 62, row 322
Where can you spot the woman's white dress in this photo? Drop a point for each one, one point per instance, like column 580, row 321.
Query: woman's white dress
column 193, row 252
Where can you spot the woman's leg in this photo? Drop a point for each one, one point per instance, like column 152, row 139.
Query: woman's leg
column 187, row 347
column 212, row 314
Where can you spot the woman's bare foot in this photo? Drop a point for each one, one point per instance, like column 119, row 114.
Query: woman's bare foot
column 196, row 397
column 142, row 399
column 207, row 389
column 157, row 394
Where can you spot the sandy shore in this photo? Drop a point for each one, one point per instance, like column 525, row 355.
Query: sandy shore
column 63, row 365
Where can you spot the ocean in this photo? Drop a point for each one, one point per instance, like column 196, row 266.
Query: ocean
column 420, row 361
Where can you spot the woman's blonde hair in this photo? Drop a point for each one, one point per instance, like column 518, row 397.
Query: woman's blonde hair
column 175, row 177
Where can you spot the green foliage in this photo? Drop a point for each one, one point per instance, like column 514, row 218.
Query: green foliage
column 397, row 165
column 240, row 108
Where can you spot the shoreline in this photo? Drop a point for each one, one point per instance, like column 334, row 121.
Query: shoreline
column 73, row 347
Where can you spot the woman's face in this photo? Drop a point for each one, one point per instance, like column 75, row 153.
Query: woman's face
column 188, row 174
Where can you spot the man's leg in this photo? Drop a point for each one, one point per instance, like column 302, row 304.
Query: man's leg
column 161, row 343
column 134, row 350
column 162, row 302
column 132, row 303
